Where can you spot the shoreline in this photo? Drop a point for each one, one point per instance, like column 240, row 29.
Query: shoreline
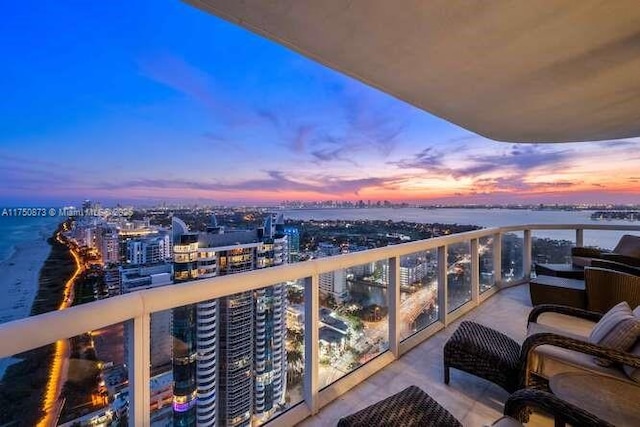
column 20, row 284
column 20, row 279
column 26, row 376
column 57, row 269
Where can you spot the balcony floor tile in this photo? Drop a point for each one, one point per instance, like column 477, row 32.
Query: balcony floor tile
column 475, row 402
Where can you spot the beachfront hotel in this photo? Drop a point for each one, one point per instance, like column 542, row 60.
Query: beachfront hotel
column 229, row 357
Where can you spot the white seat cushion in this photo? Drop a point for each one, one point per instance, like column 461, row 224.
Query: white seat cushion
column 547, row 360
column 563, row 324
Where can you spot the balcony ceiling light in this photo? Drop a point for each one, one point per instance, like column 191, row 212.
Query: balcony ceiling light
column 525, row 71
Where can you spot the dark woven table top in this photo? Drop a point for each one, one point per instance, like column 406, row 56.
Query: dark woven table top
column 410, row 407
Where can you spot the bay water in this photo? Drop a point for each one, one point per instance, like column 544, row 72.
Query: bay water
column 480, row 217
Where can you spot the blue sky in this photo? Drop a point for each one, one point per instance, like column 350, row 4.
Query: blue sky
column 147, row 101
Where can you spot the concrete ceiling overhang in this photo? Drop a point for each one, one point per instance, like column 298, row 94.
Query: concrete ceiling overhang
column 511, row 70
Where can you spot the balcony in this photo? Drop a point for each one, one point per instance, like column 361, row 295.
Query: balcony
column 473, row 401
column 477, row 266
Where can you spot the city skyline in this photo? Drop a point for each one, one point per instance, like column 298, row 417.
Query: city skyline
column 102, row 102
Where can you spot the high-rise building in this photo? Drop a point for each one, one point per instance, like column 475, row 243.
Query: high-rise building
column 239, row 361
column 148, row 250
column 185, row 267
column 108, row 245
column 334, row 284
column 412, row 270
column 112, row 279
column 293, row 237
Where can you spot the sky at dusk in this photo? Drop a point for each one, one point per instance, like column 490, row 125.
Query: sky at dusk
column 149, row 101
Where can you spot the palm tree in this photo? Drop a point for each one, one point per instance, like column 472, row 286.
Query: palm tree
column 295, row 337
column 295, row 365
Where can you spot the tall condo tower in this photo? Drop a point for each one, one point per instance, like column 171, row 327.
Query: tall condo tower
column 185, row 267
column 240, row 364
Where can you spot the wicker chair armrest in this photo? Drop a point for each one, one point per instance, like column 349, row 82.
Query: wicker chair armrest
column 624, row 259
column 615, row 266
column 586, row 252
column 517, row 404
column 546, row 338
column 562, row 309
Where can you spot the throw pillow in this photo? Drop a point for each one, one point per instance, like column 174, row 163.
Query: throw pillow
column 618, row 329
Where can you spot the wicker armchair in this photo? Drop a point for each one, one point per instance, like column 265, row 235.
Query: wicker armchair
column 606, row 288
column 529, row 377
column 615, row 266
column 627, row 251
column 519, row 404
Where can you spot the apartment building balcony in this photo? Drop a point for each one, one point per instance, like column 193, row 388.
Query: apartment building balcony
column 473, row 401
column 480, row 275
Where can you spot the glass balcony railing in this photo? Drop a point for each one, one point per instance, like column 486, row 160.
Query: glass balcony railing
column 318, row 328
column 512, row 256
column 554, row 250
column 458, row 275
column 418, row 292
column 486, row 263
column 353, row 318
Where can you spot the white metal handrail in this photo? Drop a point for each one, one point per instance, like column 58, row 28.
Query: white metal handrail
column 33, row 332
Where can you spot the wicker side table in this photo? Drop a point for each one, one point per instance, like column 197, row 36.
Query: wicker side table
column 483, row 352
column 408, row 408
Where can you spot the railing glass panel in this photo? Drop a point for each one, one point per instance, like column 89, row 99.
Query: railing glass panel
column 549, row 249
column 418, row 292
column 353, row 318
column 458, row 275
column 512, row 256
column 487, row 269
column 70, row 381
column 294, row 344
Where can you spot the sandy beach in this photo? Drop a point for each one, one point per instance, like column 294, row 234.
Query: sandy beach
column 19, row 281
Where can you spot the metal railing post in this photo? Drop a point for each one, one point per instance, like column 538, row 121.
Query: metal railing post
column 579, row 237
column 526, row 256
column 443, row 309
column 311, row 341
column 497, row 258
column 475, row 272
column 394, row 306
column 139, row 360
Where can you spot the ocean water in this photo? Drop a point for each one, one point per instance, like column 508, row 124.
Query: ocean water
column 479, row 217
column 23, row 250
column 17, row 230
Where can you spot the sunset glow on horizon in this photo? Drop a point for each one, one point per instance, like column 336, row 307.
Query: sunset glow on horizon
column 149, row 102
